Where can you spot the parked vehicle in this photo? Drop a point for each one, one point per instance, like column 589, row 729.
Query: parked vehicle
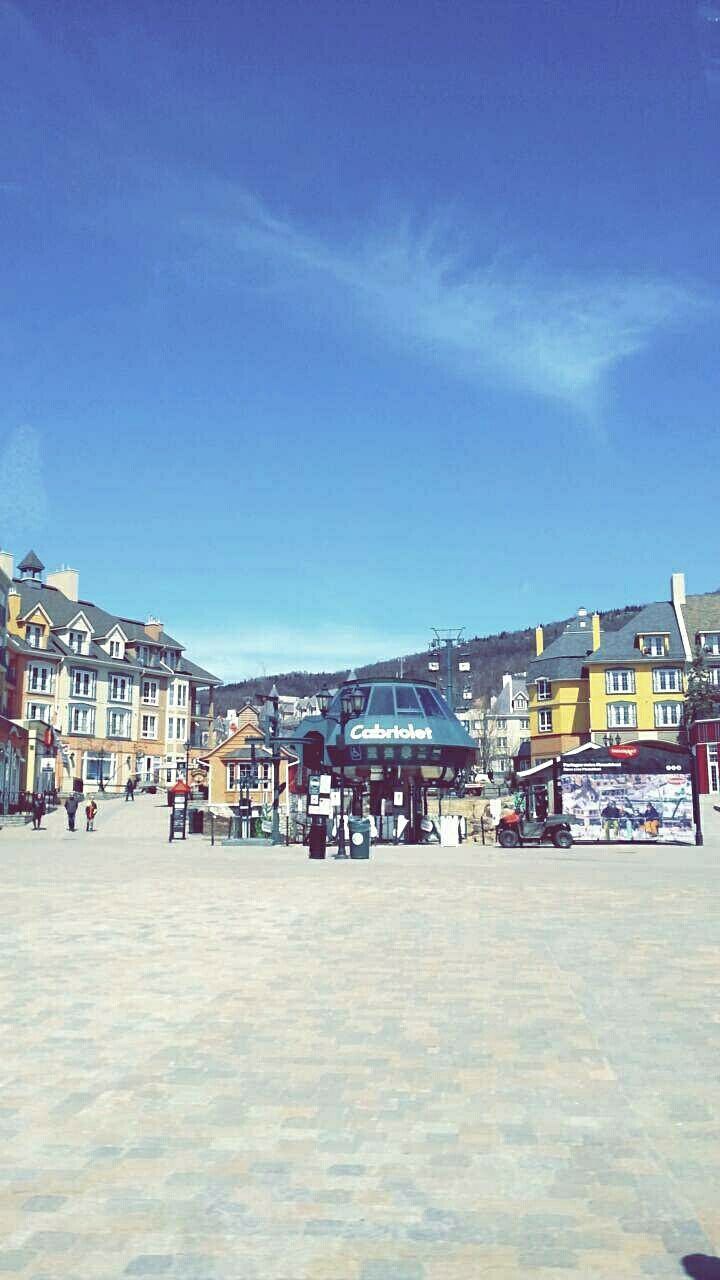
column 514, row 830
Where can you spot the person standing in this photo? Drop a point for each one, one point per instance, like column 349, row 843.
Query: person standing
column 129, row 790
column 90, row 811
column 38, row 809
column 71, row 808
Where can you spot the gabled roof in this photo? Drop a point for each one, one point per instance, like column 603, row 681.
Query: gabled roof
column 502, row 705
column 61, row 611
column 657, row 618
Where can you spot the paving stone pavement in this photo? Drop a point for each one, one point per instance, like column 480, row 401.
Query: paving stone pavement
column 225, row 1064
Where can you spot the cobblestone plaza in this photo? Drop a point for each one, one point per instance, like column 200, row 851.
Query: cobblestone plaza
column 239, row 1064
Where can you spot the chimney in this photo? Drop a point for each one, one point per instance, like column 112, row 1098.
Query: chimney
column 507, row 680
column 539, row 641
column 153, row 629
column 7, row 563
column 677, row 588
column 65, row 580
column 596, row 631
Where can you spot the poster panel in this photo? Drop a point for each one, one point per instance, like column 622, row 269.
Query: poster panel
column 639, row 807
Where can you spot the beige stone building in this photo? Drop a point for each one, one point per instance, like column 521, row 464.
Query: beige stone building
column 120, row 695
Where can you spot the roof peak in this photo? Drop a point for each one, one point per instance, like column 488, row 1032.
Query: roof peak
column 31, row 563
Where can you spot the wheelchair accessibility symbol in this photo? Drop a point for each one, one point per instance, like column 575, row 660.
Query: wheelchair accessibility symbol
column 356, row 753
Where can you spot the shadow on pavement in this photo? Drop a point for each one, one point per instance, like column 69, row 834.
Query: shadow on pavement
column 701, row 1266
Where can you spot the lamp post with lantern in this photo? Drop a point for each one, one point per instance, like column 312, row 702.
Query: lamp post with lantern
column 352, row 702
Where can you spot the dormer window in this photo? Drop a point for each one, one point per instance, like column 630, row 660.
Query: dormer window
column 710, row 642
column 653, row 646
column 34, row 635
column 76, row 641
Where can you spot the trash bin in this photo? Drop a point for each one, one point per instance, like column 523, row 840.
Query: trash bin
column 318, row 838
column 196, row 822
column 359, row 837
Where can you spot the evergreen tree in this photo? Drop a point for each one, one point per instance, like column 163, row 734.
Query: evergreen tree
column 702, row 697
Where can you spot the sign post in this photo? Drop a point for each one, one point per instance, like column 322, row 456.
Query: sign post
column 180, row 794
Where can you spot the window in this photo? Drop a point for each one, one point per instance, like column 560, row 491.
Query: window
column 114, row 648
column 241, row 775
column 82, row 683
column 711, row 642
column 667, row 713
column 621, row 715
column 118, row 724
column 406, row 700
column 382, row 702
column 150, row 692
column 714, row 673
column 171, row 694
column 667, row 680
column 149, row 727
column 34, row 635
column 430, row 702
column 40, row 679
column 182, row 695
column 544, row 690
column 501, row 743
column 653, row 646
column 119, row 688
column 501, row 723
column 171, row 727
column 82, row 719
column 180, row 725
column 620, row 680
column 76, row 641
column 545, row 721
column 100, row 767
column 37, row 711
column 524, row 724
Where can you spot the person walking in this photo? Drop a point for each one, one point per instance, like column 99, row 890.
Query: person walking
column 90, row 811
column 129, row 790
column 71, row 808
column 38, row 809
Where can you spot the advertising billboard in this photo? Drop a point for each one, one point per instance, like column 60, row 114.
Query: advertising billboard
column 629, row 794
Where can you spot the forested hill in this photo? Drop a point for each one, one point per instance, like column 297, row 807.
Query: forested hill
column 489, row 657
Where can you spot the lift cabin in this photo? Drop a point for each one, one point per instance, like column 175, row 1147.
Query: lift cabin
column 388, row 741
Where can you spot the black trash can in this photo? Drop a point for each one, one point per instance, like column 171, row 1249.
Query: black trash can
column 318, row 838
column 196, row 822
column 359, row 837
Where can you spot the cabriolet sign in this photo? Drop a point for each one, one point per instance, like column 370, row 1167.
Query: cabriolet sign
column 394, row 733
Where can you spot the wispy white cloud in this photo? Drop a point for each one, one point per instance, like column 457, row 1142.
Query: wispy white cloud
column 552, row 333
column 241, row 655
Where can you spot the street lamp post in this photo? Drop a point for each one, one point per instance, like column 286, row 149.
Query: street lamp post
column 187, row 761
column 101, row 758
column 352, row 701
column 272, row 735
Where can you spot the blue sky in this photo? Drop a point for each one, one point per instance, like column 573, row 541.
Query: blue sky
column 327, row 323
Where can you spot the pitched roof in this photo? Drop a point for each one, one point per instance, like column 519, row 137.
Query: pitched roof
column 565, row 658
column 620, row 645
column 702, row 614
column 61, row 612
column 503, row 705
column 31, row 564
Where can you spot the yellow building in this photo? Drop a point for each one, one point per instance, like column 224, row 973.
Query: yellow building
column 637, row 676
column 244, row 759
column 558, row 688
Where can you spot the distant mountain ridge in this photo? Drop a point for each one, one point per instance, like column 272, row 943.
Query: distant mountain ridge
column 489, row 656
